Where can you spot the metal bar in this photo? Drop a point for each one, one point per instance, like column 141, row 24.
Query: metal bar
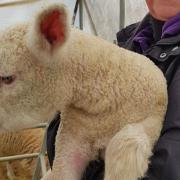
column 18, row 157
column 75, row 12
column 36, row 174
column 90, row 18
column 20, row 2
column 43, row 153
column 10, row 171
column 41, row 164
column 81, row 14
column 41, row 125
column 121, row 14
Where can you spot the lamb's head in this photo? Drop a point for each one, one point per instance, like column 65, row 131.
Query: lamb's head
column 27, row 68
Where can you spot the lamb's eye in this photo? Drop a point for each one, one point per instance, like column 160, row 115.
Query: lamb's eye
column 8, row 79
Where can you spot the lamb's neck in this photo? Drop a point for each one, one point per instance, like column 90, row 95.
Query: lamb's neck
column 65, row 83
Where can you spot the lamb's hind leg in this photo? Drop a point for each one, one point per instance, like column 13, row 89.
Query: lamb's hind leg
column 127, row 154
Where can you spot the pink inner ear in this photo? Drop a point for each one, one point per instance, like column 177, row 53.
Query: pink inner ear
column 53, row 27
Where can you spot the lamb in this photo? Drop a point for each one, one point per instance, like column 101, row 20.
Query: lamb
column 16, row 143
column 112, row 101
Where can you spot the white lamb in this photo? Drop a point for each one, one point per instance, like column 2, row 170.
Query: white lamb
column 111, row 99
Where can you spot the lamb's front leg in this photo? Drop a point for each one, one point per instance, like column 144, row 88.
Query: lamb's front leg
column 72, row 154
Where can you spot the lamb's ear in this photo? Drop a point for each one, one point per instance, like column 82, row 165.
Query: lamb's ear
column 49, row 32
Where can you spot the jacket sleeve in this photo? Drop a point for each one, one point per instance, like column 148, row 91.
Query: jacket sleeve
column 51, row 136
column 165, row 162
column 124, row 34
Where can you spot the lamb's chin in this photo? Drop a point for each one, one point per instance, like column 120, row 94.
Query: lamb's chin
column 3, row 130
column 6, row 128
column 18, row 122
column 21, row 121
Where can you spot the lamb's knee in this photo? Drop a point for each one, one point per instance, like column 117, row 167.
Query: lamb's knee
column 127, row 154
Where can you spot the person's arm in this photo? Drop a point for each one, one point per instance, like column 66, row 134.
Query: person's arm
column 51, row 137
column 94, row 171
column 165, row 162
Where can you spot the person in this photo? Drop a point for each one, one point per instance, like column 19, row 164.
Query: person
column 157, row 36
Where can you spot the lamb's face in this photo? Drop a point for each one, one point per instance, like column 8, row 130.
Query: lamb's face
column 26, row 71
column 22, row 82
